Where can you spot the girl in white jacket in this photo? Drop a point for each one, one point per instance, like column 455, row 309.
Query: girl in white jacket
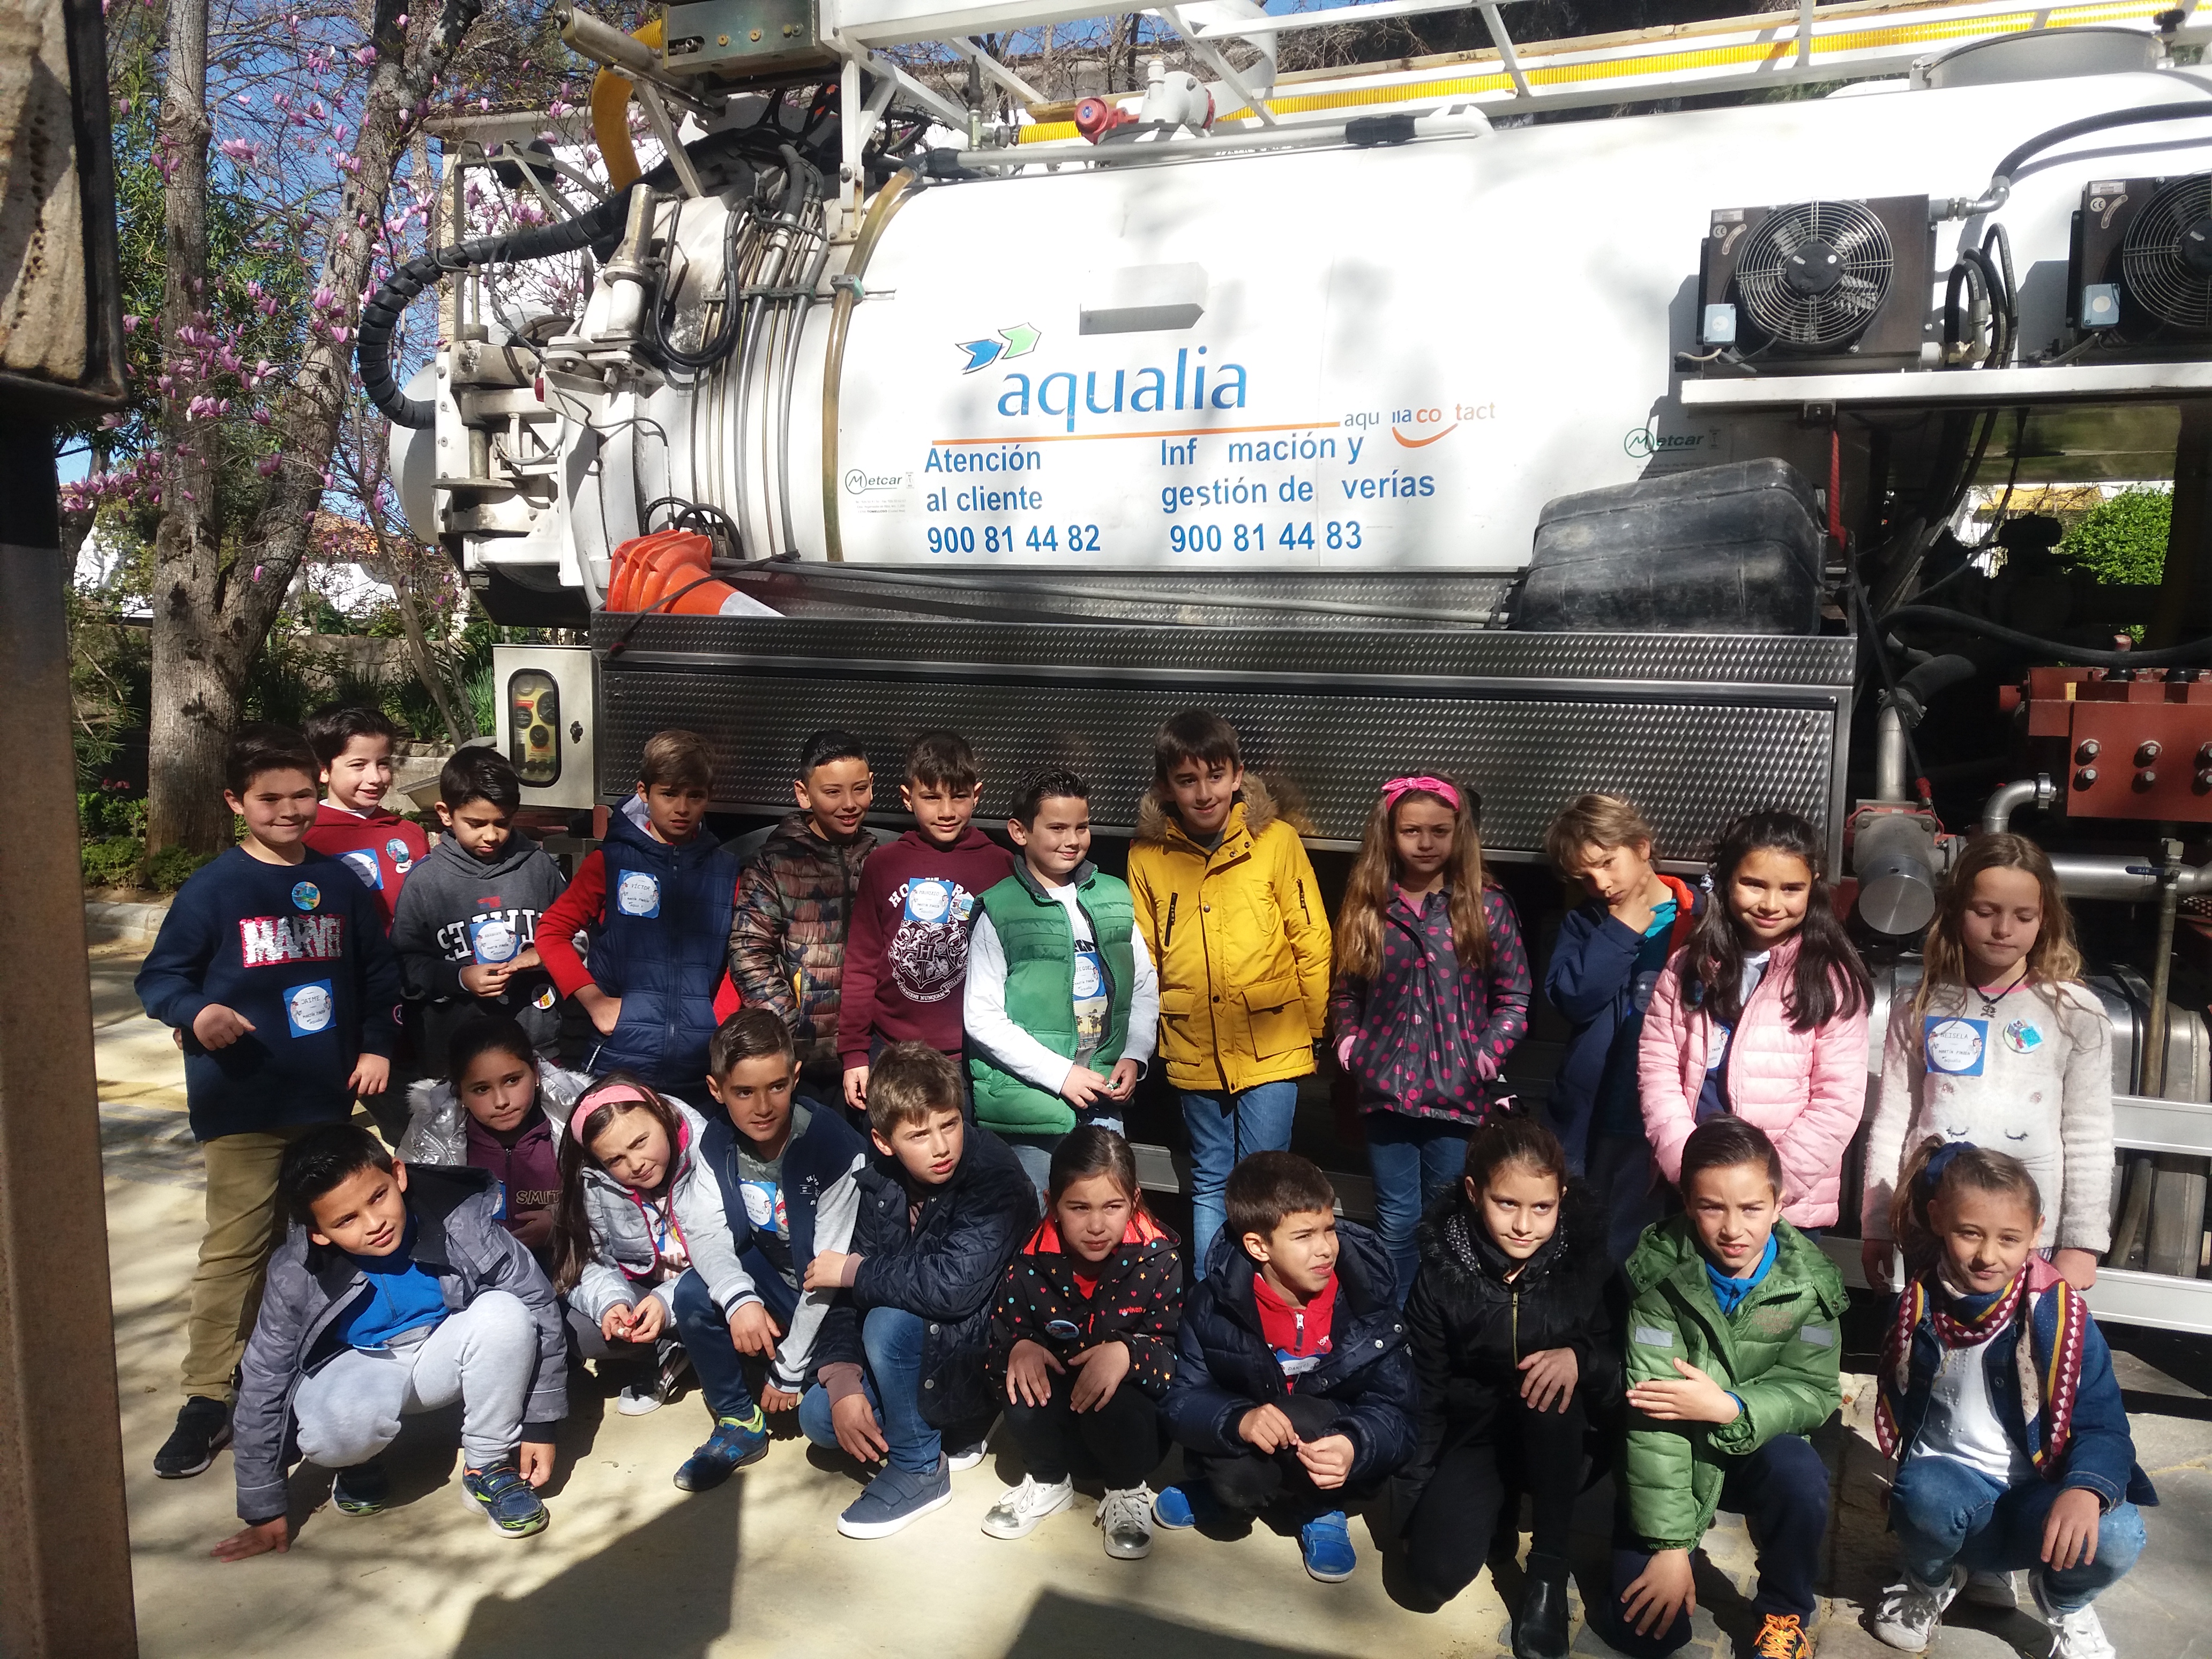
column 2002, row 1046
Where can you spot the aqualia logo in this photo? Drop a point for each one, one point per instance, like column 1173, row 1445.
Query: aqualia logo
column 1193, row 385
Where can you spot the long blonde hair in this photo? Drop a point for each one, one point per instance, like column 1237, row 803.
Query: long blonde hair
column 2054, row 957
column 1367, row 895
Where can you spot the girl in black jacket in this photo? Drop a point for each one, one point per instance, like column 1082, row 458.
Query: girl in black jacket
column 1083, row 1345
column 1514, row 1352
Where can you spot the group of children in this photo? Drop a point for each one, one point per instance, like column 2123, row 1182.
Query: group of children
column 846, row 1141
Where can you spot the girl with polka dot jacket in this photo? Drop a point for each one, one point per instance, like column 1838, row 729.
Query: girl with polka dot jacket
column 1083, row 1342
column 1430, row 994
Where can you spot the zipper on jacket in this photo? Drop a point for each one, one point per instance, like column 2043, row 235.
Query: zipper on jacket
column 1517, row 1325
column 1302, row 906
column 1167, row 933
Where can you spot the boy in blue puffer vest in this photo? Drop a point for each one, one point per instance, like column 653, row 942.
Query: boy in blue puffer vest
column 660, row 893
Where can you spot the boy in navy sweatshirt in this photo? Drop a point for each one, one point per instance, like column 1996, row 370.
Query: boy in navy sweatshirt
column 273, row 967
column 906, row 952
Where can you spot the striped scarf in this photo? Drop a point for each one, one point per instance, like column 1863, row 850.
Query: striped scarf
column 2049, row 1386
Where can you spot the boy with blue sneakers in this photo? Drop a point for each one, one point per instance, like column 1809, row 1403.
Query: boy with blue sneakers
column 396, row 1292
column 1295, row 1391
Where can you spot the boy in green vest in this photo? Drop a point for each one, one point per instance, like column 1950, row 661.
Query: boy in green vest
column 1062, row 1004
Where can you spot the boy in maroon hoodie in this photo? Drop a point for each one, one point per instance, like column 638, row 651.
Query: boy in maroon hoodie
column 906, row 956
column 354, row 746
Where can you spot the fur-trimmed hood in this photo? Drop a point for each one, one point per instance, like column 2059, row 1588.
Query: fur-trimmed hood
column 1156, row 822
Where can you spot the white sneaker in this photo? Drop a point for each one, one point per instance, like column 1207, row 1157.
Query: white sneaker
column 1909, row 1612
column 1020, row 1509
column 1991, row 1590
column 1125, row 1516
column 638, row 1399
column 968, row 1457
column 2076, row 1635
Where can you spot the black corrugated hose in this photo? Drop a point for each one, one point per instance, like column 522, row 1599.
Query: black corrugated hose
column 380, row 316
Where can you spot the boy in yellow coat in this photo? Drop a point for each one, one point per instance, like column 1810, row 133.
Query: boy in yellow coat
column 1229, row 911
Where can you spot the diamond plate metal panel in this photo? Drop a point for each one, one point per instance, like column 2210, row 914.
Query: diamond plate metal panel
column 1691, row 763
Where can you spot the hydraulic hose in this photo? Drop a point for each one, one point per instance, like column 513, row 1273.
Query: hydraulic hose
column 2001, row 176
column 381, row 315
column 887, row 202
column 2193, row 652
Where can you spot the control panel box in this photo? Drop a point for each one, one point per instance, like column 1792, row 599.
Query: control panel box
column 744, row 40
column 2123, row 742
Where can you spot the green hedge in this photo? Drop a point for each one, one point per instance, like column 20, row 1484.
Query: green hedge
column 113, row 861
column 167, row 870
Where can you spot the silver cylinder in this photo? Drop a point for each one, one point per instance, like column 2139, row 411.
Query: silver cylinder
column 1893, row 856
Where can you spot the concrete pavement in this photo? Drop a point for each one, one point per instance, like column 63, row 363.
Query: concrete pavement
column 631, row 1564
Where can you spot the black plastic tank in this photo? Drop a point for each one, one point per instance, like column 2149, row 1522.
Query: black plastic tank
column 1719, row 550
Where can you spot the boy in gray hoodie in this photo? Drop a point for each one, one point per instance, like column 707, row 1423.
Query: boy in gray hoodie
column 467, row 938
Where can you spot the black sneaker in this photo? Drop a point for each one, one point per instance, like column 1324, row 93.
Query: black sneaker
column 364, row 1489
column 203, row 1430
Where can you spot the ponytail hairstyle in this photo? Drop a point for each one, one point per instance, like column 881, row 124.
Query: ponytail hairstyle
column 1937, row 1167
column 1367, row 894
column 2055, row 958
column 1515, row 1142
column 612, row 1096
column 1828, row 981
column 1086, row 1151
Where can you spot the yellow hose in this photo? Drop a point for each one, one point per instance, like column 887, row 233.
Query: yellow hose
column 611, row 97
column 888, row 200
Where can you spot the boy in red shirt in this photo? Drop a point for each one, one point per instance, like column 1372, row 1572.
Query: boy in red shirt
column 354, row 745
column 906, row 956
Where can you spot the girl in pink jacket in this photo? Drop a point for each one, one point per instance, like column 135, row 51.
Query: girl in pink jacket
column 1763, row 1014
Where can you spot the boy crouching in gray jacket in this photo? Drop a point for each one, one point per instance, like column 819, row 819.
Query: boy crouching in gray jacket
column 396, row 1290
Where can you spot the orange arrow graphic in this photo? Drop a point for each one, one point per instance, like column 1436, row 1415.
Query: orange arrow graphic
column 1423, row 443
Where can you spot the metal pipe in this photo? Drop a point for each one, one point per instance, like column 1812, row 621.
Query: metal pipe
column 1889, row 779
column 2153, row 1071
column 1460, row 122
column 1996, row 814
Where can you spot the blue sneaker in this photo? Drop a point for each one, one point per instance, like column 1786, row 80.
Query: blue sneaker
column 1325, row 1542
column 1180, row 1508
column 362, row 1489
column 735, row 1443
column 894, row 1500
column 508, row 1501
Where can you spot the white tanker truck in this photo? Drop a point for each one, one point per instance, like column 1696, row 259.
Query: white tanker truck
column 1402, row 419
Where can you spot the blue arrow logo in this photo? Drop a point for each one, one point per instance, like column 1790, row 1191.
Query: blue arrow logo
column 982, row 354
column 1018, row 340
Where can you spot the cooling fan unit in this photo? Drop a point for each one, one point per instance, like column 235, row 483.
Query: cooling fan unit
column 2142, row 262
column 1849, row 279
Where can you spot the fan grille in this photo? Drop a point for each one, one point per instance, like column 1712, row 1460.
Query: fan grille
column 2150, row 257
column 1836, row 317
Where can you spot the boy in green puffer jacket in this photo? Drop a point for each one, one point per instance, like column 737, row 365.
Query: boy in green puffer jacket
column 1062, row 1003
column 1733, row 1349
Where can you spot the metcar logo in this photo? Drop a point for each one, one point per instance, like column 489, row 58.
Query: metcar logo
column 1645, row 441
column 860, row 482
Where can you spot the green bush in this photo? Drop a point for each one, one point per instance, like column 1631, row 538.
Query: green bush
column 103, row 812
column 2121, row 541
column 167, row 870
column 112, row 861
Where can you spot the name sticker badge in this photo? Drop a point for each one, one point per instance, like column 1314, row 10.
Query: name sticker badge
column 2022, row 1037
column 306, row 895
column 395, row 850
column 638, row 894
column 310, row 1008
column 363, row 863
column 1956, row 1046
column 493, row 940
column 929, row 902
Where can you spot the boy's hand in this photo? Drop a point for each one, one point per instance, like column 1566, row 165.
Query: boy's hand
column 1099, row 1372
column 486, row 978
column 1027, row 1380
column 854, row 1420
column 1664, row 1590
column 2069, row 1533
column 217, row 1027
column 774, row 1398
column 856, row 1088
column 1548, row 1379
column 1123, row 1082
column 1327, row 1460
column 371, row 1072
column 1266, row 1429
column 2077, row 1267
column 1694, row 1398
column 603, row 1010
column 1874, row 1255
column 526, row 957
column 532, row 1228
column 1081, row 1086
column 826, row 1272
column 533, row 1461
column 1636, row 911
column 752, row 1331
column 270, row 1535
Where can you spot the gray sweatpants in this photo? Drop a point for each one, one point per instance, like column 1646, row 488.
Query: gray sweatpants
column 485, row 1356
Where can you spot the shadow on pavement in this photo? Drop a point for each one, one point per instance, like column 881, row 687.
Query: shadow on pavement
column 1060, row 1624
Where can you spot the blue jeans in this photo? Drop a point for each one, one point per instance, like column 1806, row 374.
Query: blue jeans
column 1034, row 1153
column 893, row 1339
column 1224, row 1129
column 706, row 1333
column 1946, row 1514
column 1414, row 1159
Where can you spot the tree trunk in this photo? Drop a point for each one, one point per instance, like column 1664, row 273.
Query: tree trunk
column 418, row 643
column 198, row 679
column 210, row 617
